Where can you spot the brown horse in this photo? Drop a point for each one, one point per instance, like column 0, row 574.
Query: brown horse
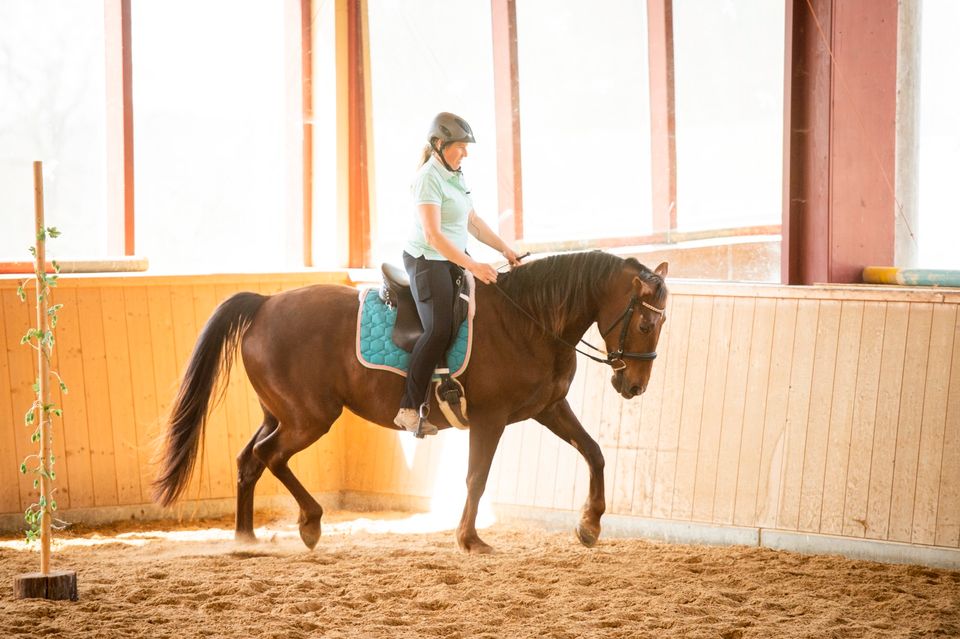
column 298, row 348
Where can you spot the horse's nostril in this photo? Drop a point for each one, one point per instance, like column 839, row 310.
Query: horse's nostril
column 636, row 390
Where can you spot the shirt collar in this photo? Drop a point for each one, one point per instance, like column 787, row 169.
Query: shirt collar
column 445, row 173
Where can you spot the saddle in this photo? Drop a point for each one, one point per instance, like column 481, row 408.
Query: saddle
column 395, row 292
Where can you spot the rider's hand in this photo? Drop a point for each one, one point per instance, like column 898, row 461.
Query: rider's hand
column 511, row 256
column 483, row 272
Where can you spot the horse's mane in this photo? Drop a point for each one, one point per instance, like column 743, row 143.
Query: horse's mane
column 558, row 288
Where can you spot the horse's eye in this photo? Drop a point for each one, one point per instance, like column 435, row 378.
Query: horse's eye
column 645, row 327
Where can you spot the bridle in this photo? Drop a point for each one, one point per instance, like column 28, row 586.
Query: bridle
column 613, row 359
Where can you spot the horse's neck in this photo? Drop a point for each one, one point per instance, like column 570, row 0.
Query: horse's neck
column 574, row 329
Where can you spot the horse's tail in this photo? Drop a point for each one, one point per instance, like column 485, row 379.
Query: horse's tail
column 212, row 358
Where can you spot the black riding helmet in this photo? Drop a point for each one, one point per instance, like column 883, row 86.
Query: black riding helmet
column 448, row 129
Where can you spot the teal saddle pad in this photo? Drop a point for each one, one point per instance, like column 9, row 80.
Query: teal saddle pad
column 375, row 346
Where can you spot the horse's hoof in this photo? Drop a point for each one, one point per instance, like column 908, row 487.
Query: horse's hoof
column 245, row 537
column 475, row 546
column 480, row 548
column 310, row 530
column 587, row 536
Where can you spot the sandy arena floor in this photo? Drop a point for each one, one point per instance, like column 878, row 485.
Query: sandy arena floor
column 370, row 576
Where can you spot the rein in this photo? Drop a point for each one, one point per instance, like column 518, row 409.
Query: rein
column 615, row 359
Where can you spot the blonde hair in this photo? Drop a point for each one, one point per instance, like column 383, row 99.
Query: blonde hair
column 427, row 152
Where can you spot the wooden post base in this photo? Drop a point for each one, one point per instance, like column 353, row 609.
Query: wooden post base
column 59, row 584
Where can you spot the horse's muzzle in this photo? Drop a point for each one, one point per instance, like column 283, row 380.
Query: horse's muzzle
column 622, row 386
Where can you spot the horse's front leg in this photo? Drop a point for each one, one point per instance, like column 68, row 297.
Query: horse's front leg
column 483, row 445
column 561, row 421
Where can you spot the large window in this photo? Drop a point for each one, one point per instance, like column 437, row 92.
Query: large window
column 428, row 56
column 584, row 123
column 939, row 214
column 52, row 104
column 729, row 90
column 209, row 109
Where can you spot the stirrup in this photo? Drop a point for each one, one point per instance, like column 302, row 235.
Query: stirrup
column 424, row 412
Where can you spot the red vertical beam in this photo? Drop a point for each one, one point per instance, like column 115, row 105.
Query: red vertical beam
column 663, row 127
column 119, row 108
column 359, row 206
column 506, row 90
column 306, row 66
column 839, row 145
column 806, row 146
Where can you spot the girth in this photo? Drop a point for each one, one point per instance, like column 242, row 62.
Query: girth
column 395, row 292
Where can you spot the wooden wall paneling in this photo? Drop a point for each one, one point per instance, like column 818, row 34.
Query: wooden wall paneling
column 122, row 415
column 865, row 397
column 818, row 415
column 330, row 453
column 885, row 424
column 649, row 434
column 216, row 445
column 103, row 462
column 912, row 393
column 385, row 475
column 930, row 458
column 755, row 405
column 357, row 462
column 185, row 333
column 704, row 473
column 234, row 405
column 76, row 437
column 845, row 384
column 590, row 414
column 165, row 369
column 21, row 361
column 10, row 478
column 773, row 445
column 625, row 476
column 691, row 412
column 677, row 335
column 141, row 348
column 546, row 481
column 567, row 456
column 608, row 435
column 948, row 505
column 508, row 460
column 798, row 412
column 734, row 400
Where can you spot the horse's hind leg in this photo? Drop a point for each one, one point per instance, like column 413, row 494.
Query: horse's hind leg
column 249, row 470
column 276, row 449
column 562, row 422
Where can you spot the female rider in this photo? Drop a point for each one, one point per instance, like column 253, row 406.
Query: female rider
column 436, row 252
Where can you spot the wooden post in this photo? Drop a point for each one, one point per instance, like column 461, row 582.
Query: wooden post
column 43, row 367
column 44, row 584
column 119, row 106
column 663, row 125
column 840, row 114
column 506, row 90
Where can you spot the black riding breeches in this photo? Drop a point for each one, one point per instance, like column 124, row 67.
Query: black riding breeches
column 431, row 282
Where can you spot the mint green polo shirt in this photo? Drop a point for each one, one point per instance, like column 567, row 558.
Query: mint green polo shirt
column 434, row 184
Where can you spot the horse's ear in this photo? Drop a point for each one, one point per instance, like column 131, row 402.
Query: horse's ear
column 661, row 270
column 642, row 287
